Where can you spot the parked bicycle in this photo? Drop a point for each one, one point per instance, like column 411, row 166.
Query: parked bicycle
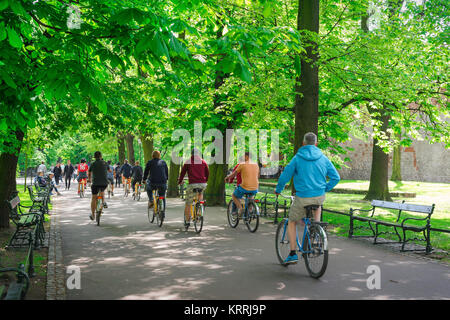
column 314, row 245
column 250, row 214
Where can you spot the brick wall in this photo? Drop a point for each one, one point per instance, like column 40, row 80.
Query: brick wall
column 420, row 162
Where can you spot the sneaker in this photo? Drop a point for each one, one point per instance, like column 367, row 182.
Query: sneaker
column 112, row 194
column 105, row 205
column 291, row 259
column 91, row 217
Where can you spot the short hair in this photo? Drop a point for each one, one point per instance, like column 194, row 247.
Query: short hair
column 136, row 163
column 83, row 160
column 310, row 138
column 156, row 154
column 125, row 161
column 97, row 155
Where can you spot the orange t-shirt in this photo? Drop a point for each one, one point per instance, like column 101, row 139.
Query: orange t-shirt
column 249, row 173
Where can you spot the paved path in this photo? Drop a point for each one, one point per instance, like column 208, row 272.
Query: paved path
column 129, row 258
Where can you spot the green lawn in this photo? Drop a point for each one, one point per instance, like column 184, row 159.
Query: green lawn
column 426, row 194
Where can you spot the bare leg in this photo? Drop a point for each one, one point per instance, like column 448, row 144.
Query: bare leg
column 237, row 202
column 93, row 205
column 317, row 214
column 187, row 212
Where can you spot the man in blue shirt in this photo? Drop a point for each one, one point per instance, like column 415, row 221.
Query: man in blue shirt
column 310, row 169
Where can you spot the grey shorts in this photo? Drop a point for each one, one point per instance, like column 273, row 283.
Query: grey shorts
column 297, row 211
column 190, row 194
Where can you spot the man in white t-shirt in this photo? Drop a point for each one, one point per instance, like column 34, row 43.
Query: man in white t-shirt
column 42, row 168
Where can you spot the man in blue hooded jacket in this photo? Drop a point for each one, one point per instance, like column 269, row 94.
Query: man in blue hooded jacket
column 310, row 169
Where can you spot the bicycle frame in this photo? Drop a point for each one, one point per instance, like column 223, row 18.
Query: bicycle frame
column 307, row 222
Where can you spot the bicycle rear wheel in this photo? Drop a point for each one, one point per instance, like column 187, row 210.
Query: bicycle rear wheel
column 252, row 219
column 98, row 212
column 198, row 218
column 160, row 213
column 150, row 214
column 316, row 257
column 282, row 245
column 233, row 218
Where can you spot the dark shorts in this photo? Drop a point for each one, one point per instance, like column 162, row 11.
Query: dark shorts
column 97, row 189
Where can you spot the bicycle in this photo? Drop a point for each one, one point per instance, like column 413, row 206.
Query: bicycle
column 127, row 187
column 159, row 209
column 314, row 246
column 82, row 188
column 137, row 191
column 250, row 214
column 99, row 209
column 197, row 211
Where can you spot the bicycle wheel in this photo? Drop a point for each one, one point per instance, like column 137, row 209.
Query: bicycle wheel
column 233, row 218
column 316, row 257
column 186, row 227
column 282, row 246
column 252, row 219
column 160, row 213
column 99, row 211
column 138, row 197
column 150, row 214
column 198, row 217
column 125, row 191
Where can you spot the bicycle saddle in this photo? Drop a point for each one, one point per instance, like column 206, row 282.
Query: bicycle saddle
column 312, row 207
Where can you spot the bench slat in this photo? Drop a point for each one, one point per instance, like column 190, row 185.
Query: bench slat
column 402, row 206
column 14, row 202
column 14, row 291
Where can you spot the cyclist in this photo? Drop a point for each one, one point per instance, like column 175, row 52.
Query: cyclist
column 136, row 173
column 156, row 173
column 110, row 177
column 117, row 173
column 198, row 173
column 98, row 174
column 125, row 171
column 82, row 172
column 309, row 168
column 238, row 181
column 249, row 171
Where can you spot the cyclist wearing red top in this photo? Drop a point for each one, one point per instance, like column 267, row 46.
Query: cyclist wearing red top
column 82, row 172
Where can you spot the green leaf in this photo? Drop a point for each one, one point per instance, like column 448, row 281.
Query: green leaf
column 243, row 73
column 2, row 31
column 14, row 39
column 8, row 80
column 3, row 4
column 297, row 65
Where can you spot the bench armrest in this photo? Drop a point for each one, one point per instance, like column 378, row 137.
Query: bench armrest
column 418, row 219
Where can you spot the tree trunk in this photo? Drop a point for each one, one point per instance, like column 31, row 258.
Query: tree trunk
column 379, row 176
column 215, row 191
column 396, row 163
column 174, row 171
column 130, row 148
column 307, row 84
column 121, row 147
column 8, row 165
column 147, row 145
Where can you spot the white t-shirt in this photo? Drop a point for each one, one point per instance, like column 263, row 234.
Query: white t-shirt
column 42, row 168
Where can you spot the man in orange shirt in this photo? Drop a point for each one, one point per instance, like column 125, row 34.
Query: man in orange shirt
column 249, row 172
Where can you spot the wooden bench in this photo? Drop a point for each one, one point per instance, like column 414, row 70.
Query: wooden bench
column 25, row 222
column 40, row 200
column 18, row 290
column 374, row 220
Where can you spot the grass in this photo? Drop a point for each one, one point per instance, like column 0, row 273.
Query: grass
column 426, row 194
column 15, row 256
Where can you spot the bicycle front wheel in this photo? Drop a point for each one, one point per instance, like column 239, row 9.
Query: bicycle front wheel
column 150, row 214
column 198, row 219
column 252, row 219
column 233, row 219
column 282, row 245
column 316, row 255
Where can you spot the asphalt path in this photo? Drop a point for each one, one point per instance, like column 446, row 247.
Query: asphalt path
column 126, row 257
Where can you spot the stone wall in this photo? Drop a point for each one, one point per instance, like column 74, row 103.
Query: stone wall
column 420, row 162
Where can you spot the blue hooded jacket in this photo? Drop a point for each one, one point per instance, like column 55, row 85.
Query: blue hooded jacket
column 310, row 168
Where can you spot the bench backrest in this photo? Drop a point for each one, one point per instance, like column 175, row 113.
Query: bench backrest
column 13, row 204
column 403, row 206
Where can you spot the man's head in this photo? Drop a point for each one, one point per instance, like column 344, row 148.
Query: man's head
column 125, row 161
column 42, row 162
column 41, row 173
column 97, row 155
column 310, row 139
column 247, row 156
column 109, row 162
column 156, row 154
column 83, row 160
column 136, row 163
column 68, row 161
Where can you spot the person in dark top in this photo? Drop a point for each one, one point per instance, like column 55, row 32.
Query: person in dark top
column 136, row 173
column 68, row 172
column 125, row 171
column 57, row 173
column 98, row 174
column 117, row 173
column 156, row 173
